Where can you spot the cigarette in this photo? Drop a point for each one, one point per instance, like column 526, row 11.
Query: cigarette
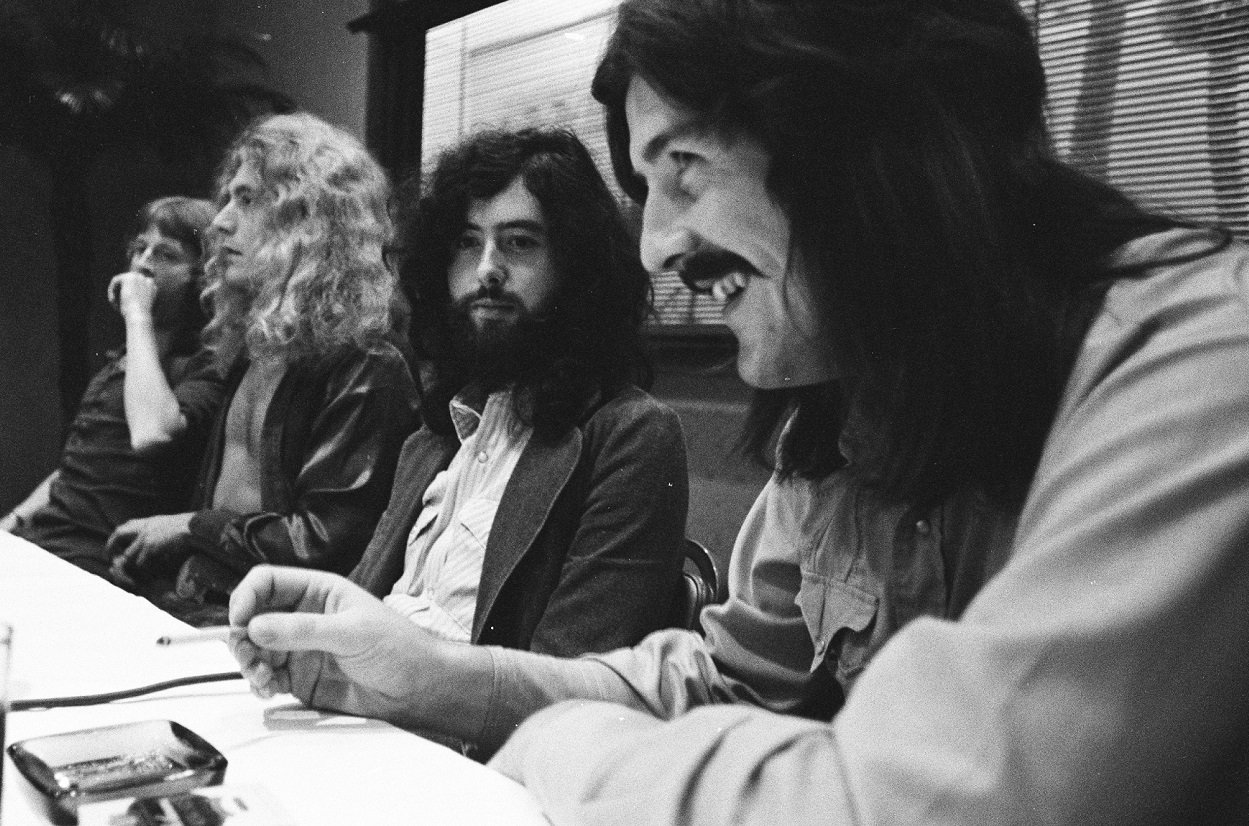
column 218, row 633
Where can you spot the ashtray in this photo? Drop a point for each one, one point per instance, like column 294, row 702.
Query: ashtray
column 153, row 757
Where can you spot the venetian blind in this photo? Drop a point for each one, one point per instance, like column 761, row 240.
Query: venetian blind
column 530, row 63
column 1153, row 96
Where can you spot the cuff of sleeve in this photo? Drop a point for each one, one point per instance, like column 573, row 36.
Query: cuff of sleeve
column 207, row 526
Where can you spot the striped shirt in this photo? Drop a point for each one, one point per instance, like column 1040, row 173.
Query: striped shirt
column 442, row 570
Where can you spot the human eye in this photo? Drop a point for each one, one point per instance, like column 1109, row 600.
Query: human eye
column 687, row 170
column 682, row 160
column 522, row 242
column 466, row 241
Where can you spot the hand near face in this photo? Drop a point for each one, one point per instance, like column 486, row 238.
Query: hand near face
column 132, row 294
column 330, row 643
column 152, row 546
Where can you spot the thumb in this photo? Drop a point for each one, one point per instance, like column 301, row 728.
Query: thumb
column 331, row 633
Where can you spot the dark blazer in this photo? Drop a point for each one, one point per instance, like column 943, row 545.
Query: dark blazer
column 586, row 547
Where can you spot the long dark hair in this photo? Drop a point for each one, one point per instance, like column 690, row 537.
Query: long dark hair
column 604, row 293
column 959, row 260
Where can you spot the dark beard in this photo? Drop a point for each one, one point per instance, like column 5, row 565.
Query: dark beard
column 498, row 352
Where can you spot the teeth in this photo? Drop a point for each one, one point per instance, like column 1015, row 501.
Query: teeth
column 728, row 286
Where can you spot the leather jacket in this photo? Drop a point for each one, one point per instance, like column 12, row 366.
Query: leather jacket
column 332, row 435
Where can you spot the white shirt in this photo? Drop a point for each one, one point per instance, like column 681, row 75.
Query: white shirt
column 442, row 570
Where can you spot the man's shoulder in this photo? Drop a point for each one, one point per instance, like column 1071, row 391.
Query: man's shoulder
column 382, row 360
column 630, row 404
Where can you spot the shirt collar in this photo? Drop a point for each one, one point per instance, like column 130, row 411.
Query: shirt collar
column 470, row 405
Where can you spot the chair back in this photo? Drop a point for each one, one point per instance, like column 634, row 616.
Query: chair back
column 700, row 586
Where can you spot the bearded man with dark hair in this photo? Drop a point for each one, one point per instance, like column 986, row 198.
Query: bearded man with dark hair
column 542, row 505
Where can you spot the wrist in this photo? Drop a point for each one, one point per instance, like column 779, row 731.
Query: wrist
column 139, row 317
column 456, row 684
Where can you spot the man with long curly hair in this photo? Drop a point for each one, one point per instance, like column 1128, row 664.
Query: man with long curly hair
column 542, row 505
column 319, row 400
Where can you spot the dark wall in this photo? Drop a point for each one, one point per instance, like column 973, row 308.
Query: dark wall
column 29, row 404
column 117, row 186
column 698, row 380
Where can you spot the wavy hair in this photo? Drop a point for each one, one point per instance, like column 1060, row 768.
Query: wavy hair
column 959, row 261
column 325, row 283
column 186, row 221
column 592, row 344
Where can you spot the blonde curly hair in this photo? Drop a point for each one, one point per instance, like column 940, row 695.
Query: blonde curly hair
column 324, row 281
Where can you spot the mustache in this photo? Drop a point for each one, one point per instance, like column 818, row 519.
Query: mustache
column 708, row 264
column 488, row 292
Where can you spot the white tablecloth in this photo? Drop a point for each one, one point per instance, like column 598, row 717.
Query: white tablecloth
column 76, row 634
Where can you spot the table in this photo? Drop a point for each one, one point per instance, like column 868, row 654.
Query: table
column 75, row 633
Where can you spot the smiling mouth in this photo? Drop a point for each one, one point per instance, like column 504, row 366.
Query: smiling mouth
column 729, row 286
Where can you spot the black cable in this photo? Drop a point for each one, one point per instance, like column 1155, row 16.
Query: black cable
column 93, row 699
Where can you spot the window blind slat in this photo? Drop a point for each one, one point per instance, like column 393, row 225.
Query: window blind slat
column 1152, row 95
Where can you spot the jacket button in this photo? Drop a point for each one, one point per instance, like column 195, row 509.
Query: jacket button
column 923, row 528
column 483, row 457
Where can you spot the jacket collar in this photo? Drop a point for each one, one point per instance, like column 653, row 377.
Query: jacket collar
column 541, row 473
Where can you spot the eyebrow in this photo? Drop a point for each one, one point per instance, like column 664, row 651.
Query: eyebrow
column 521, row 223
column 164, row 244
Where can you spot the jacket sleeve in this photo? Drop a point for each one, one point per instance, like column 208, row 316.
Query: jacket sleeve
column 619, row 577
column 1094, row 680
column 343, row 482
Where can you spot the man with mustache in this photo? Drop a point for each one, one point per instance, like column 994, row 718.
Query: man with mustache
column 542, row 504
column 1000, row 326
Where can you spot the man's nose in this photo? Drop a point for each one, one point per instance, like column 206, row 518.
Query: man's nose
column 142, row 262
column 222, row 223
column 491, row 268
column 665, row 238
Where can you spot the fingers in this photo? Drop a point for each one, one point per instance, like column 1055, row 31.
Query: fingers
column 114, row 291
column 264, row 670
column 122, row 538
column 131, row 291
column 121, row 575
column 269, row 588
column 338, row 634
column 140, row 555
